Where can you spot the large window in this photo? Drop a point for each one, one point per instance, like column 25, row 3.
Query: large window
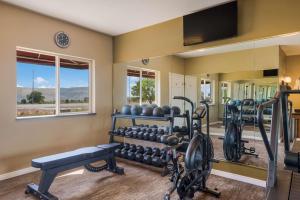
column 52, row 84
column 206, row 89
column 225, row 91
column 141, row 86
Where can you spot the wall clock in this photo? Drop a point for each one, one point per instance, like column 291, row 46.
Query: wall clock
column 62, row 39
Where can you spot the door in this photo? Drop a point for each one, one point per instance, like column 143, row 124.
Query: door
column 190, row 91
column 176, row 89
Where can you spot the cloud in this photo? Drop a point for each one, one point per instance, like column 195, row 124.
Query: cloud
column 40, row 82
column 19, row 85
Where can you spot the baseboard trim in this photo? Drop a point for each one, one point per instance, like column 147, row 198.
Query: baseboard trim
column 17, row 173
column 244, row 137
column 238, row 177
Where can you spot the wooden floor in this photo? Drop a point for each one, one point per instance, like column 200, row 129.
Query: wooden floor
column 139, row 183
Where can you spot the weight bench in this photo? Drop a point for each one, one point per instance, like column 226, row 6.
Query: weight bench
column 54, row 164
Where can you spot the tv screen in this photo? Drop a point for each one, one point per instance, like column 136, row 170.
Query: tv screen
column 270, row 72
column 214, row 23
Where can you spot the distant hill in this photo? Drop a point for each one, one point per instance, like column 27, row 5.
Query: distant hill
column 75, row 93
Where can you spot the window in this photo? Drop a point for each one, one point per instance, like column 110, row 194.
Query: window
column 146, row 92
column 225, row 91
column 207, row 90
column 52, row 84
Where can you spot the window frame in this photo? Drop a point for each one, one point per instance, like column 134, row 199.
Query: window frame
column 228, row 90
column 212, row 89
column 91, row 84
column 157, row 83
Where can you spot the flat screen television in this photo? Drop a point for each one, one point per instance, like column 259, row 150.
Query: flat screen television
column 214, row 23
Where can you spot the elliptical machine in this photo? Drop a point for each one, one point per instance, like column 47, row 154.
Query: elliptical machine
column 233, row 144
column 198, row 158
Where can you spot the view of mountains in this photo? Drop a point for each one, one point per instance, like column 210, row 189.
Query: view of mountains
column 74, row 93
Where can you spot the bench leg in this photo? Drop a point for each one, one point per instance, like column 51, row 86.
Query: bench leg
column 112, row 166
column 41, row 191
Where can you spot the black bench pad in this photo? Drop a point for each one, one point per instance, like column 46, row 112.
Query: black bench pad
column 69, row 157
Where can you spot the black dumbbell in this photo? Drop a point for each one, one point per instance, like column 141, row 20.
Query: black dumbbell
column 129, row 133
column 131, row 152
column 159, row 134
column 124, row 151
column 147, row 156
column 115, row 132
column 146, row 135
column 160, row 160
column 122, row 131
column 156, row 160
column 119, row 131
column 140, row 134
column 152, row 135
column 155, row 151
column 139, row 153
column 134, row 134
column 153, row 126
column 118, row 150
column 136, row 128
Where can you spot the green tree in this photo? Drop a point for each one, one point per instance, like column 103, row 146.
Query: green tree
column 35, row 97
column 23, row 101
column 148, row 90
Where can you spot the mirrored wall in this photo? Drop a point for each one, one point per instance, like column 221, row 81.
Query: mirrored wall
column 233, row 81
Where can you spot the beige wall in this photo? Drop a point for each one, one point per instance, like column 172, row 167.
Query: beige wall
column 256, row 19
column 282, row 64
column 22, row 140
column 164, row 65
column 246, row 60
column 241, row 75
column 293, row 70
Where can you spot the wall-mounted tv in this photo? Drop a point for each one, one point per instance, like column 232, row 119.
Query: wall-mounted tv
column 214, row 23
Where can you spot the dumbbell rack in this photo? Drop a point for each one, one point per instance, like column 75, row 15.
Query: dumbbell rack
column 167, row 118
column 250, row 118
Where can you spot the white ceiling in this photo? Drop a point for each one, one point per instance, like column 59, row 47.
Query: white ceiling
column 115, row 17
column 290, row 46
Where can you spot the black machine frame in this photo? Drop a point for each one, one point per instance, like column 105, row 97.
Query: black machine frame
column 233, row 144
column 280, row 184
column 194, row 176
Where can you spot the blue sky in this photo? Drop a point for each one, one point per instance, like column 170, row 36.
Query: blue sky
column 44, row 76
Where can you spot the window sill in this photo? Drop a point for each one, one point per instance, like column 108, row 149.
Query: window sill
column 55, row 116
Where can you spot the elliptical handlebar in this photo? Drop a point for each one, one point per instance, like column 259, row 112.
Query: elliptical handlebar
column 207, row 115
column 185, row 99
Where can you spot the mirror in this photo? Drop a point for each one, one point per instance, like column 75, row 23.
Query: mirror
column 237, row 92
column 247, row 73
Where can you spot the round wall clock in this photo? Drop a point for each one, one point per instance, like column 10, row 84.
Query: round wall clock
column 62, row 39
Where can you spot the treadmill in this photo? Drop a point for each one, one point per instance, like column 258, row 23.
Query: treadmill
column 281, row 184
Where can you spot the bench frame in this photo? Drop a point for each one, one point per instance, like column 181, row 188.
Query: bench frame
column 41, row 191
